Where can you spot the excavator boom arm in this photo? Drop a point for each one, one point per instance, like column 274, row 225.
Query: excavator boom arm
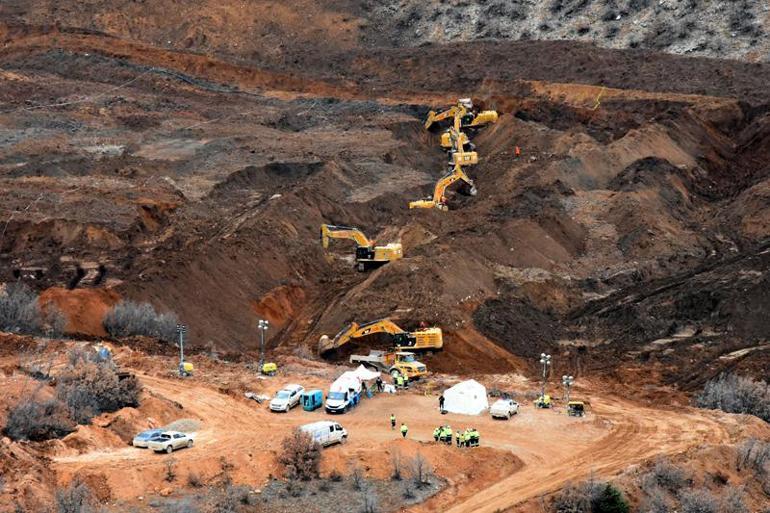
column 329, row 231
column 442, row 185
column 355, row 330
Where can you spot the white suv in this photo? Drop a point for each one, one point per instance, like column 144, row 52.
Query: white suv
column 286, row 398
column 504, row 409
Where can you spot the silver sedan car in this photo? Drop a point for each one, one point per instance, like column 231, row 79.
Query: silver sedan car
column 169, row 441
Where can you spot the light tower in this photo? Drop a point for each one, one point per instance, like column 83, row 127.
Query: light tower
column 262, row 326
column 545, row 361
column 567, row 381
column 181, row 329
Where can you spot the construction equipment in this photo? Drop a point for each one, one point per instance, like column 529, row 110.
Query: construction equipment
column 439, row 200
column 448, row 143
column 394, row 363
column 269, row 369
column 368, row 256
column 576, row 408
column 186, row 369
column 459, row 141
column 464, row 112
column 544, row 401
column 422, row 339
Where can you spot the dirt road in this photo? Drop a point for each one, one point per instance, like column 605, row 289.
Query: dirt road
column 554, row 448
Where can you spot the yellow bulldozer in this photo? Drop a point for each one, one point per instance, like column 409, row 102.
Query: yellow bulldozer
column 439, row 199
column 425, row 339
column 368, row 255
column 464, row 112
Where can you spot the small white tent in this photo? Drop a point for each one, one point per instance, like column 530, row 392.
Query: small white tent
column 365, row 374
column 467, row 398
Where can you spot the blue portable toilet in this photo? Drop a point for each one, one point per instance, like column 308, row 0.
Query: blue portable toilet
column 311, row 399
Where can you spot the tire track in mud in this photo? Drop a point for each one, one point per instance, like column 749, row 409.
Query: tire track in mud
column 629, row 434
column 637, row 434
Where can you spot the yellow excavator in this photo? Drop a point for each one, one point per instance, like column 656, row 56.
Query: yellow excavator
column 464, row 112
column 430, row 339
column 368, row 256
column 439, row 200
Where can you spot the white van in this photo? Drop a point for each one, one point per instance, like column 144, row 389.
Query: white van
column 326, row 432
column 344, row 393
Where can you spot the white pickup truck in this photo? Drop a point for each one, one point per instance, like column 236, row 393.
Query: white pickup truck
column 504, row 409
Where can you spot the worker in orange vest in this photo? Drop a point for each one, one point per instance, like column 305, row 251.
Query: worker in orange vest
column 517, row 151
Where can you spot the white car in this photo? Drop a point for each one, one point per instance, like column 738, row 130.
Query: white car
column 504, row 409
column 286, row 398
column 169, row 441
column 326, row 432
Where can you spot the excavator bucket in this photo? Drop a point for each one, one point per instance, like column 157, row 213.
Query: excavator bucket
column 484, row 117
column 431, row 118
column 422, row 204
column 325, row 344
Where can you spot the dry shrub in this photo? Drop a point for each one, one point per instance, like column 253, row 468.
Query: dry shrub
column 20, row 312
column 732, row 501
column 170, row 470
column 698, row 501
column 736, row 394
column 76, row 498
column 128, row 318
column 38, row 420
column 666, row 475
column 194, row 480
column 754, row 455
column 370, row 500
column 421, row 470
column 90, row 388
column 357, row 478
column 396, row 464
column 301, row 456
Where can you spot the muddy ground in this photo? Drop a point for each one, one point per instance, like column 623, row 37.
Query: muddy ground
column 199, row 184
column 238, row 441
column 187, row 155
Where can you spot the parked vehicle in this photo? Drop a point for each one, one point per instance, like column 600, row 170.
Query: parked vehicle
column 344, row 393
column 286, row 398
column 326, row 432
column 143, row 438
column 576, row 408
column 311, row 400
column 169, row 441
column 504, row 409
column 543, row 401
column 394, row 363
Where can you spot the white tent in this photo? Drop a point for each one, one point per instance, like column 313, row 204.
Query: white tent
column 365, row 374
column 467, row 398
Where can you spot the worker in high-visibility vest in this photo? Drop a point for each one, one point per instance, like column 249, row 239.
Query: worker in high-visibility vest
column 404, row 430
column 392, row 421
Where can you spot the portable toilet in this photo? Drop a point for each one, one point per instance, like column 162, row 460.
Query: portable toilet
column 311, row 399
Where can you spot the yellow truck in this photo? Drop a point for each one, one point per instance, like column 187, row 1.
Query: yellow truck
column 392, row 362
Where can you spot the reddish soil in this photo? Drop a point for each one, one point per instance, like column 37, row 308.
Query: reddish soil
column 185, row 155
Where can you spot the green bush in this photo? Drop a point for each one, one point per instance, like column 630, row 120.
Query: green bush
column 609, row 500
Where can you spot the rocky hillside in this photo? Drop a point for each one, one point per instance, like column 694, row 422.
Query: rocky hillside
column 713, row 28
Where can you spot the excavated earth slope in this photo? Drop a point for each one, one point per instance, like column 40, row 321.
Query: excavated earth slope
column 633, row 228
